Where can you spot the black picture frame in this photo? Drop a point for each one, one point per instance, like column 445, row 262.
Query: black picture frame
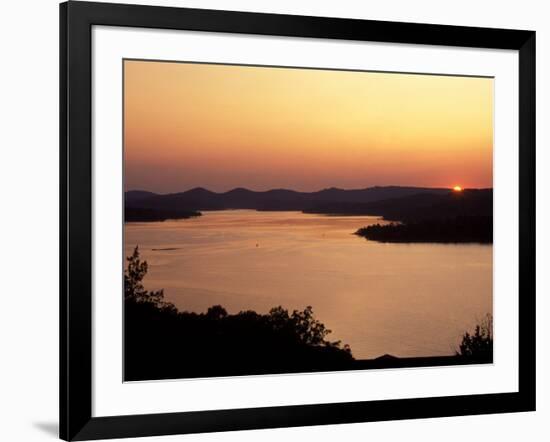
column 76, row 21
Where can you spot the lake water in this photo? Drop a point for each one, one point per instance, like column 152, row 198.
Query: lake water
column 400, row 299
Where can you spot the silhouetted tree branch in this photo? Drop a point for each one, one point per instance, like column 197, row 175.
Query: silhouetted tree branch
column 133, row 286
column 479, row 344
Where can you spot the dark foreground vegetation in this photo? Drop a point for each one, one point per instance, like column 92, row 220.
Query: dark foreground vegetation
column 477, row 229
column 162, row 342
column 148, row 215
column 478, row 346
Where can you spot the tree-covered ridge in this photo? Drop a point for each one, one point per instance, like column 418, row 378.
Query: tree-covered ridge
column 325, row 200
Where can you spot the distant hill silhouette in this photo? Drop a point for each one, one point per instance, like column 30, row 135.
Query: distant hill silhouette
column 405, row 204
column 133, row 196
column 420, row 206
column 276, row 199
column 422, row 214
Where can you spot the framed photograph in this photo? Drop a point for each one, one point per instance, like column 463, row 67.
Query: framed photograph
column 274, row 220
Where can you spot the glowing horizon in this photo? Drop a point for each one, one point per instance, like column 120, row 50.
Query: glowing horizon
column 454, row 188
column 223, row 127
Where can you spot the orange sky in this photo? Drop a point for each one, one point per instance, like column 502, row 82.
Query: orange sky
column 221, row 127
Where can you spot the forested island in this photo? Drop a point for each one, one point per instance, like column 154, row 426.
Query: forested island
column 465, row 229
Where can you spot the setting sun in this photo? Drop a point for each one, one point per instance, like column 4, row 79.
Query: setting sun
column 457, row 189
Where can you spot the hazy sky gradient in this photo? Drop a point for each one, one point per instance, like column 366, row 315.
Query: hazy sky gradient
column 221, row 127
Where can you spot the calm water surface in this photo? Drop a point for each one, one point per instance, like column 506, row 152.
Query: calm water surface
column 401, row 299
